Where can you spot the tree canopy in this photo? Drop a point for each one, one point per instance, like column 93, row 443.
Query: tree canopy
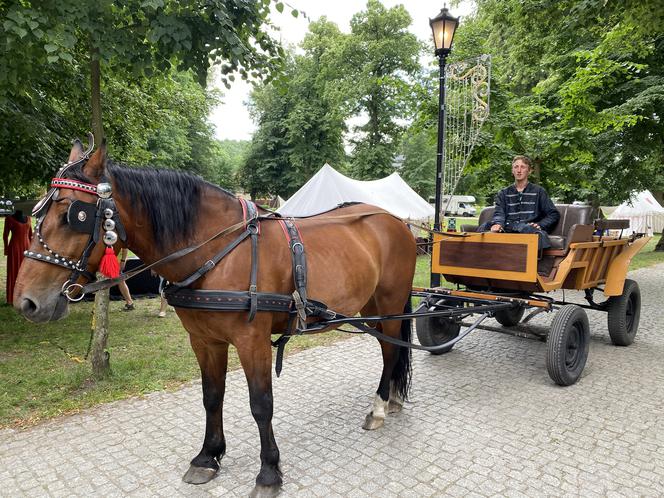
column 153, row 53
column 302, row 118
column 578, row 86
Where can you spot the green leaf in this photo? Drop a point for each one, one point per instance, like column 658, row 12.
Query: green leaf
column 52, row 58
column 49, row 47
column 21, row 32
column 279, row 7
column 294, row 13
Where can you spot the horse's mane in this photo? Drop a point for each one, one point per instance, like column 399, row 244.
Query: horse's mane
column 169, row 198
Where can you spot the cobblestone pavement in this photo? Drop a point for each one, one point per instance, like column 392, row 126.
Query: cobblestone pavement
column 484, row 420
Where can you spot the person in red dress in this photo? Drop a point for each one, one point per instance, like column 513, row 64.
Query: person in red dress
column 16, row 237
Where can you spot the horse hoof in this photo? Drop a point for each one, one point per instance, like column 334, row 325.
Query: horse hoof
column 264, row 491
column 371, row 423
column 394, row 407
column 199, row 475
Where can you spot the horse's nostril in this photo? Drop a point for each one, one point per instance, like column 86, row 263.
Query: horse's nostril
column 28, row 306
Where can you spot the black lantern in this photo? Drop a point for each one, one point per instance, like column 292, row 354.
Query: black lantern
column 443, row 26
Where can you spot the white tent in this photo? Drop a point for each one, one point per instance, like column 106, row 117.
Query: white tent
column 328, row 188
column 644, row 213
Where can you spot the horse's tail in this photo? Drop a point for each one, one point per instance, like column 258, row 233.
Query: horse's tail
column 401, row 375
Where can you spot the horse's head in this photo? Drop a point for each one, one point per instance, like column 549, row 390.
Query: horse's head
column 73, row 224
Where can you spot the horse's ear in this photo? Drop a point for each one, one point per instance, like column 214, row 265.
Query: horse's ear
column 76, row 151
column 96, row 165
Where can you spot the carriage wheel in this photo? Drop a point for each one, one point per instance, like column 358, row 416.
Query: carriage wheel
column 435, row 330
column 511, row 316
column 624, row 314
column 567, row 345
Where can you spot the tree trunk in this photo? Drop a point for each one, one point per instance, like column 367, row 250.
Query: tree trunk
column 100, row 357
column 660, row 245
column 95, row 100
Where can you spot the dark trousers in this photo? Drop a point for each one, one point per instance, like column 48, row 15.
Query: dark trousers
column 543, row 241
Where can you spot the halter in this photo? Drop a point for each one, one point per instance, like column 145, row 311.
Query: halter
column 82, row 217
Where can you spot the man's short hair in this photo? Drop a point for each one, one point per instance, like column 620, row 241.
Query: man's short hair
column 525, row 159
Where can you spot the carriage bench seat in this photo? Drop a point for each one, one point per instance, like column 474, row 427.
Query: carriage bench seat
column 575, row 225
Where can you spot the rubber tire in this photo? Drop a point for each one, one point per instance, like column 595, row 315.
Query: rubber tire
column 624, row 314
column 434, row 331
column 567, row 345
column 511, row 316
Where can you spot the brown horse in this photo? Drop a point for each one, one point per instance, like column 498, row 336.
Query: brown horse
column 360, row 260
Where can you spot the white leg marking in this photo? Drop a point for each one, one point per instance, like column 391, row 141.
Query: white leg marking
column 395, row 402
column 376, row 417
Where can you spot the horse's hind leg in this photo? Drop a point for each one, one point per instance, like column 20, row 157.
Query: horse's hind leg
column 256, row 359
column 213, row 360
column 395, row 378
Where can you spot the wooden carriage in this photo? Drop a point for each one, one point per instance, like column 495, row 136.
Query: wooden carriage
column 587, row 254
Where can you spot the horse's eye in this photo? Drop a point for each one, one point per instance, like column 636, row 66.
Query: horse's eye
column 63, row 219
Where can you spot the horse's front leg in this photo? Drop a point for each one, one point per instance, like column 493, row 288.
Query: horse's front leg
column 213, row 360
column 256, row 358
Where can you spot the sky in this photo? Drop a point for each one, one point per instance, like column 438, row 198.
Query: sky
column 231, row 118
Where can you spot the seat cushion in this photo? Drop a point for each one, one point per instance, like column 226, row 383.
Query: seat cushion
column 571, row 215
column 557, row 242
column 486, row 215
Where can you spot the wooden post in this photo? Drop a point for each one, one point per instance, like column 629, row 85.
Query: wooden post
column 99, row 356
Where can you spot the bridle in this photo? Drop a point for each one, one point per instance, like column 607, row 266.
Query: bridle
column 82, row 217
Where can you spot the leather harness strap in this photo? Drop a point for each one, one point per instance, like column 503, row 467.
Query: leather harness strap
column 252, row 228
column 299, row 264
column 250, row 214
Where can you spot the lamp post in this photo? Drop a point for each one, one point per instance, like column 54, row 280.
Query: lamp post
column 443, row 26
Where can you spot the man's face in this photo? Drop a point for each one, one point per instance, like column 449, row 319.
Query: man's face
column 520, row 170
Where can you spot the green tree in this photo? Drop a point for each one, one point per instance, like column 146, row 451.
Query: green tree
column 48, row 45
column 579, row 86
column 379, row 61
column 300, row 118
column 419, row 166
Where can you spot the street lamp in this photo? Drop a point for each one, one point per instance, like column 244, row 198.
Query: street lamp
column 443, row 26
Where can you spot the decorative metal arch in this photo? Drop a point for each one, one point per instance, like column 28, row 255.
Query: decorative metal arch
column 468, row 85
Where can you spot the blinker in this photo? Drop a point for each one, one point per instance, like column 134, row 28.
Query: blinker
column 81, row 216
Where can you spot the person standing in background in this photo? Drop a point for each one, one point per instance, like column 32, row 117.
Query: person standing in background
column 122, row 286
column 16, row 237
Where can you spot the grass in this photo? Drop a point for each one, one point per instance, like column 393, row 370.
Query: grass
column 44, row 372
column 647, row 256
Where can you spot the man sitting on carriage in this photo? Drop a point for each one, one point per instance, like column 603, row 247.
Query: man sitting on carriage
column 523, row 207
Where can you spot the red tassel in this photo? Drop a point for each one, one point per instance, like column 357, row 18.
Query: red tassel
column 109, row 265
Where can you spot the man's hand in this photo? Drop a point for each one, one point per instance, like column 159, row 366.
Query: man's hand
column 496, row 228
column 535, row 225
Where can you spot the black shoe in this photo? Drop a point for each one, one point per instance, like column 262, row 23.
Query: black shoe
column 128, row 307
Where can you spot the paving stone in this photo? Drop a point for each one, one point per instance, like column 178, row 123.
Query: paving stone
column 483, row 420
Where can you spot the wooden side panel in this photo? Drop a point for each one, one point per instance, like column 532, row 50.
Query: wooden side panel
column 617, row 270
column 495, row 256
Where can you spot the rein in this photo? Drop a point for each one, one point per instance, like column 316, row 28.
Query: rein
column 107, row 283
column 88, row 218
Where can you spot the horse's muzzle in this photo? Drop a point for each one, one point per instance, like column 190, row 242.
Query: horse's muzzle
column 44, row 310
